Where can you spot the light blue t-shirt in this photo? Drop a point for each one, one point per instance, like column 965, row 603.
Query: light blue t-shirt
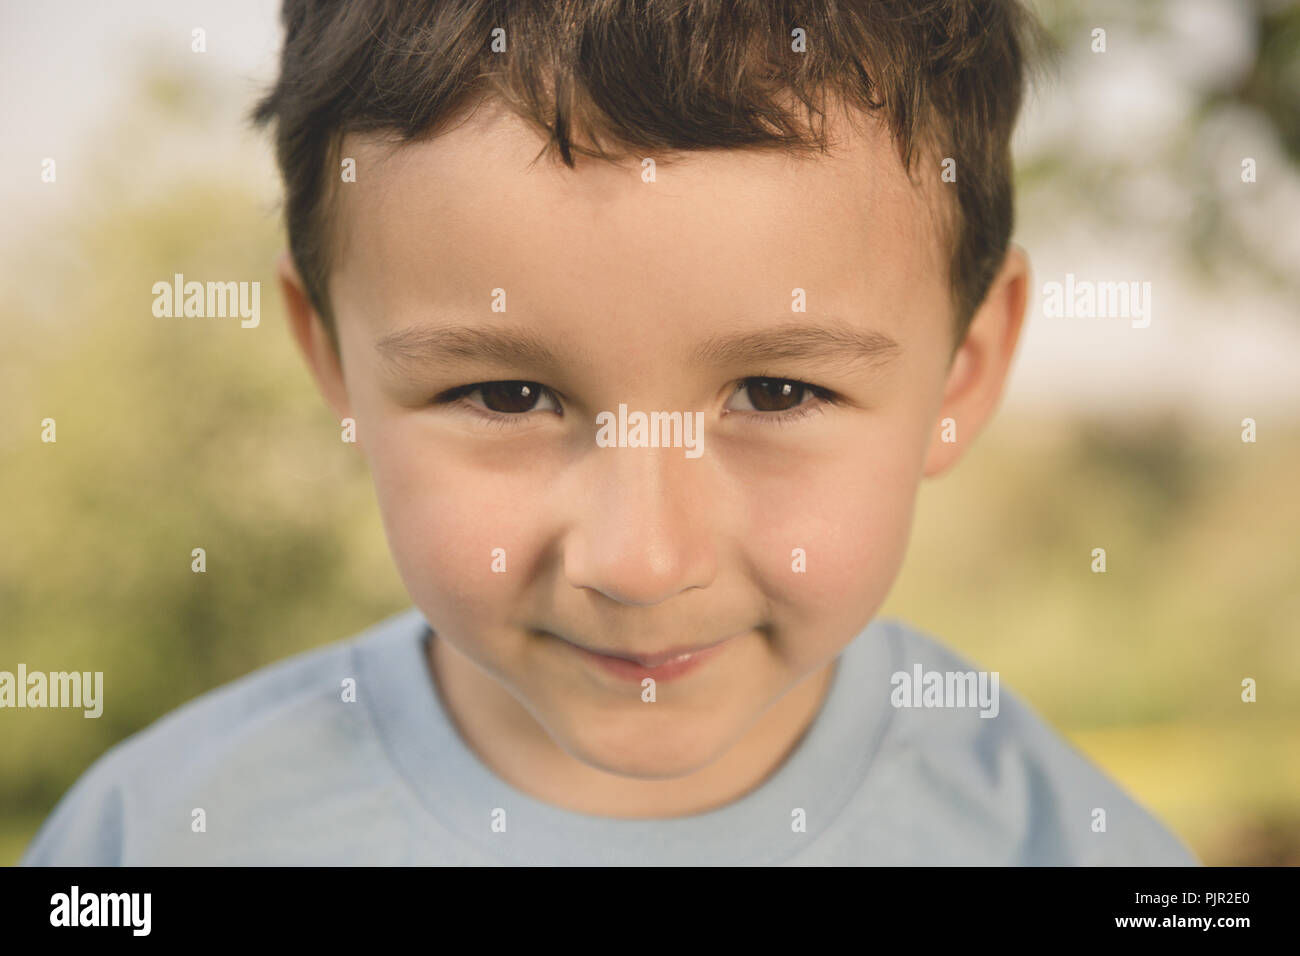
column 288, row 772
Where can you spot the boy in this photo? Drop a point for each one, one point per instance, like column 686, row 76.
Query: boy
column 646, row 427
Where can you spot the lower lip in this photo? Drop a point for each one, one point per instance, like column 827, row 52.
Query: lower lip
column 631, row 670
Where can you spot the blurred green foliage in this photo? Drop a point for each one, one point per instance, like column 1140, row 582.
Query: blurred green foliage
column 1221, row 228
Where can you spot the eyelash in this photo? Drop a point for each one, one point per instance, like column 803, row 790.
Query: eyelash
column 792, row 416
column 457, row 398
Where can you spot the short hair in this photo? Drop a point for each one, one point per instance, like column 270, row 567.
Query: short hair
column 946, row 76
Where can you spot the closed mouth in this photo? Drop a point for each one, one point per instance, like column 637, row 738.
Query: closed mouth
column 652, row 660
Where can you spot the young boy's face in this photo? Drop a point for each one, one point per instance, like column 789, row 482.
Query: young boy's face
column 780, row 537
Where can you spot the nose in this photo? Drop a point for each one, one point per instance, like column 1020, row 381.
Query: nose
column 644, row 530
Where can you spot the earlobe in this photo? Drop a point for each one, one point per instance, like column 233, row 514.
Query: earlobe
column 312, row 339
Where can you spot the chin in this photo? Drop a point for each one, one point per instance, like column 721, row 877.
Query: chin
column 648, row 752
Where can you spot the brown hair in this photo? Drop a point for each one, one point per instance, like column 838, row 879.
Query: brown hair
column 945, row 75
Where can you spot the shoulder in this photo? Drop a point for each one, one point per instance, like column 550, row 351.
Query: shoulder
column 988, row 780
column 275, row 719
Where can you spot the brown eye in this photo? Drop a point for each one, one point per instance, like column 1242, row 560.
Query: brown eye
column 774, row 394
column 510, row 397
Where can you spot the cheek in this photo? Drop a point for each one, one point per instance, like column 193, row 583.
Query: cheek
column 456, row 533
column 850, row 515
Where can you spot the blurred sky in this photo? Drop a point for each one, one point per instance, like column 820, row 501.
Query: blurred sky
column 1218, row 348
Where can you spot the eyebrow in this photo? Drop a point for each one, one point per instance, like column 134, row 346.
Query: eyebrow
column 825, row 343
column 441, row 345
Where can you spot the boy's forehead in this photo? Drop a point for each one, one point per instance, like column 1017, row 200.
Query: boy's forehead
column 432, row 228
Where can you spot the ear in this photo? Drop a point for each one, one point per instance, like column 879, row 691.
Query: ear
column 979, row 369
column 313, row 341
